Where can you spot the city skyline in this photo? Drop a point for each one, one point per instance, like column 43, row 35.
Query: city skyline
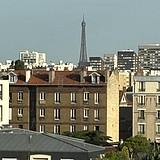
column 54, row 27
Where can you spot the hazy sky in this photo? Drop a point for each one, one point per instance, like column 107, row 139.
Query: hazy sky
column 54, row 27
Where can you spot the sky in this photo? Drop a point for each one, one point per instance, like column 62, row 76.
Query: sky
column 54, row 27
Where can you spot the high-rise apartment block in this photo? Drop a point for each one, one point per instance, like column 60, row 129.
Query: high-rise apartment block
column 36, row 59
column 97, row 63
column 127, row 60
column 149, row 56
column 110, row 61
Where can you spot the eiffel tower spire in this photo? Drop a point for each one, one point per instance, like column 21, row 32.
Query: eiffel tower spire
column 83, row 51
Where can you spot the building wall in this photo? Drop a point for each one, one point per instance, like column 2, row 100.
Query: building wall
column 149, row 105
column 112, row 111
column 4, row 102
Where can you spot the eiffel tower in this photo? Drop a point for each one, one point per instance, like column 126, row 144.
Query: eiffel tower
column 83, row 51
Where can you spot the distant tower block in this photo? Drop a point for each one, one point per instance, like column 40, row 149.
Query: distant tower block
column 83, row 51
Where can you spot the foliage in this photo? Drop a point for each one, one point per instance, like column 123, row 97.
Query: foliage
column 126, row 152
column 88, row 135
column 19, row 65
column 137, row 143
column 116, row 156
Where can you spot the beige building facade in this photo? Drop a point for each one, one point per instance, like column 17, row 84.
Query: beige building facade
column 146, row 107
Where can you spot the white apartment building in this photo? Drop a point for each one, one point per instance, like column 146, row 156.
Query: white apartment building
column 110, row 60
column 4, row 66
column 146, row 106
column 4, row 103
column 34, row 59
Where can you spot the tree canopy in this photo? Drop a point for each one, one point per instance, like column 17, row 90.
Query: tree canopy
column 19, row 65
column 88, row 135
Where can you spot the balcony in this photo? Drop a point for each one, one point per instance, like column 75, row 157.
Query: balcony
column 20, row 101
column 141, row 104
column 158, row 105
column 141, row 132
column 141, row 119
column 141, row 89
column 85, row 118
column 42, row 102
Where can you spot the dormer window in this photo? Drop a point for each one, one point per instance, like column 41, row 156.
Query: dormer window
column 12, row 77
column 95, row 78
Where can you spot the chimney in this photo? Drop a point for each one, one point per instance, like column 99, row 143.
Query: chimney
column 107, row 70
column 83, row 74
column 51, row 75
column 28, row 75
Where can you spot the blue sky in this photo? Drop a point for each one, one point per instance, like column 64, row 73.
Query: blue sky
column 54, row 26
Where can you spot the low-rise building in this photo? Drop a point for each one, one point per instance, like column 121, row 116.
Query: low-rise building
column 58, row 101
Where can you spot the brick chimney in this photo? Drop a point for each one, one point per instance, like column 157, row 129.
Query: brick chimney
column 51, row 75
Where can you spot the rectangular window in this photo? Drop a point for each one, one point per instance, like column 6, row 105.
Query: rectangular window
column 85, row 128
column 158, row 99
column 141, row 100
column 158, row 114
column 57, row 129
column 56, row 114
column 72, row 128
column 158, row 86
column 20, row 95
column 141, row 114
column 73, row 114
column 42, row 128
column 20, row 126
column 42, row 96
column 1, row 91
column 141, row 86
column 10, row 113
column 42, row 113
column 57, row 97
column 96, row 98
column 96, row 114
column 10, row 96
column 86, row 96
column 86, row 113
column 1, row 113
column 20, row 112
column 158, row 128
column 96, row 128
column 73, row 97
column 141, row 129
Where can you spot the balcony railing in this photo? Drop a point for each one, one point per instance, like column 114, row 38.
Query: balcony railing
column 141, row 132
column 141, row 118
column 141, row 89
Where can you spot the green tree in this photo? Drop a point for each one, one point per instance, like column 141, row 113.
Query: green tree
column 19, row 65
column 88, row 135
column 126, row 152
column 116, row 156
column 138, row 144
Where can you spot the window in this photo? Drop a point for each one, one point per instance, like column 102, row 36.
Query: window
column 20, row 95
column 86, row 96
column 96, row 128
column 1, row 112
column 96, row 114
column 85, row 128
column 57, row 129
column 158, row 86
column 86, row 113
column 42, row 113
column 158, row 99
column 57, row 97
column 141, row 129
column 73, row 114
column 141, row 114
column 42, row 96
column 141, row 100
column 158, row 114
column 10, row 113
column 20, row 126
column 1, row 91
column 95, row 79
column 20, row 112
column 158, row 129
column 72, row 128
column 56, row 114
column 73, row 97
column 96, row 98
column 141, row 86
column 10, row 96
column 42, row 128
